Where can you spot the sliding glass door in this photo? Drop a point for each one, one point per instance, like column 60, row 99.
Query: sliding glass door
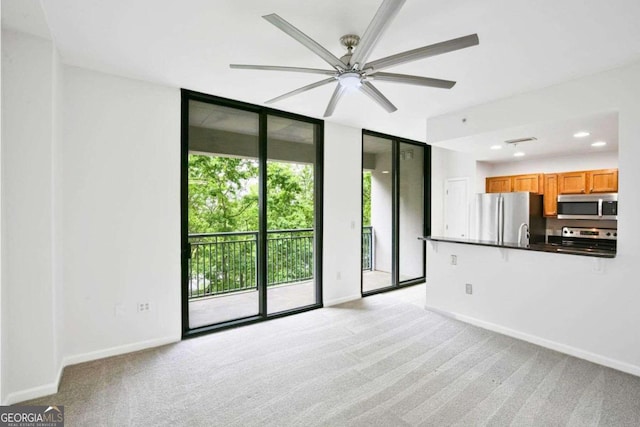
column 222, row 214
column 411, row 203
column 251, row 215
column 291, row 159
column 377, row 213
column 394, row 191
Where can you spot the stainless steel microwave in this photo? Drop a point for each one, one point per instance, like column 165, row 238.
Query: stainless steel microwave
column 588, row 206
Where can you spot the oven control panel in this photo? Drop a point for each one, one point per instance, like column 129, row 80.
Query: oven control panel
column 590, row 233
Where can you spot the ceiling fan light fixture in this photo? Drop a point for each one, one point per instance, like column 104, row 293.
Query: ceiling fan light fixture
column 349, row 80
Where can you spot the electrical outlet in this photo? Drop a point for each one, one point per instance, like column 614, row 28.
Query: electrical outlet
column 469, row 288
column 454, row 260
column 144, row 307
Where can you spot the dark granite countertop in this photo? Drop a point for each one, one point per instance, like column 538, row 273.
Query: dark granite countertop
column 538, row 247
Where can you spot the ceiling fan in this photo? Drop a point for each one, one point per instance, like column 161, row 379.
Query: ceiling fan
column 352, row 71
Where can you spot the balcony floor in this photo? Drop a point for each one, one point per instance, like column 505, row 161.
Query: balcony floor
column 223, row 308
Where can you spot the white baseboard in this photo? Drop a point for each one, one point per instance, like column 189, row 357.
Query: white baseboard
column 115, row 351
column 52, row 388
column 337, row 301
column 31, row 393
column 543, row 342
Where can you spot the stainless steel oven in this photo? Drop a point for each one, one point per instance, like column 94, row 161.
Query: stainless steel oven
column 588, row 206
column 589, row 241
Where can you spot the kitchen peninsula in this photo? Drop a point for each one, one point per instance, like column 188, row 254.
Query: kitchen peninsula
column 538, row 247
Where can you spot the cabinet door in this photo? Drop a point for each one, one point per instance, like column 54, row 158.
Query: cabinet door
column 572, row 183
column 531, row 183
column 551, row 194
column 499, row 184
column 603, row 181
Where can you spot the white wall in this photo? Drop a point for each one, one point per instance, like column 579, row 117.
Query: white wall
column 57, row 211
column 29, row 317
column 448, row 164
column 121, row 201
column 341, row 259
column 2, row 320
column 381, row 210
column 411, row 212
column 555, row 300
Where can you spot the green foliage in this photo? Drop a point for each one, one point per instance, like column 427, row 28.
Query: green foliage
column 290, row 196
column 366, row 198
column 223, row 195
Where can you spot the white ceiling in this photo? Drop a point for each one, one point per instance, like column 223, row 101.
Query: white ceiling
column 190, row 43
column 552, row 139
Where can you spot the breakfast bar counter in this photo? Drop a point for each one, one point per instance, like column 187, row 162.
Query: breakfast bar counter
column 539, row 247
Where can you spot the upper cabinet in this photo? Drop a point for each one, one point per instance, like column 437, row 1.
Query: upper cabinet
column 506, row 184
column 572, row 183
column 532, row 183
column 551, row 185
column 603, row 181
column 550, row 200
column 499, row 184
column 584, row 182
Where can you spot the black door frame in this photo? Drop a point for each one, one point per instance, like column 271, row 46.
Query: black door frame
column 395, row 210
column 263, row 112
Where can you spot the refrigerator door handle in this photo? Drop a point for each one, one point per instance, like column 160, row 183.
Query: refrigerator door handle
column 500, row 227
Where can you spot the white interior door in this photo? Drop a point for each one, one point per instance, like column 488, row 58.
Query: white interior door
column 456, row 208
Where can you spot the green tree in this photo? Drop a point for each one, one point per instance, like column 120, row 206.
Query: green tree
column 220, row 198
column 366, row 198
column 223, row 195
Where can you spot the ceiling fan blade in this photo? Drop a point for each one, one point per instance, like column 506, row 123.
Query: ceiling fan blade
column 337, row 94
column 278, row 68
column 300, row 90
column 423, row 52
column 413, row 80
column 377, row 96
column 307, row 41
column 385, row 14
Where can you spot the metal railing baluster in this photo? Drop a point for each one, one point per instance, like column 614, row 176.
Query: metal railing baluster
column 228, row 261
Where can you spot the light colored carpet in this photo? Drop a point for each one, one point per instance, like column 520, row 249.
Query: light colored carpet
column 379, row 361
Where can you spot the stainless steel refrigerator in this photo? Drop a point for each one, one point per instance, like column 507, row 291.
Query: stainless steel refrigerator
column 509, row 218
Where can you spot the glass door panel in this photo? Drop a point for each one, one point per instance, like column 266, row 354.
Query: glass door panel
column 377, row 213
column 411, row 212
column 222, row 214
column 291, row 237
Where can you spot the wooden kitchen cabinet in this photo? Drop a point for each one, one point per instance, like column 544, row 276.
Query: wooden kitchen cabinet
column 572, row 183
column 550, row 185
column 532, row 183
column 550, row 200
column 603, row 181
column 499, row 184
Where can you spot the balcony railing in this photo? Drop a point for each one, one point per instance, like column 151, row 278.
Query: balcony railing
column 367, row 248
column 221, row 263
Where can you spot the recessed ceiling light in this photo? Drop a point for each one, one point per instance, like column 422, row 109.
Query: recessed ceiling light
column 518, row 154
column 599, row 144
column 496, row 147
column 581, row 134
column 385, row 171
